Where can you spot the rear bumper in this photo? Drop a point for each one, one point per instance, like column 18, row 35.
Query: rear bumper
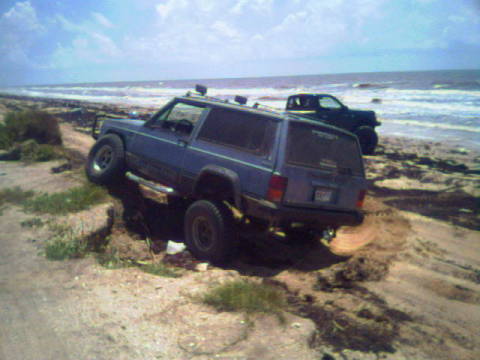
column 279, row 215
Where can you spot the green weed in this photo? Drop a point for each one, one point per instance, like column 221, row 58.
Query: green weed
column 72, row 200
column 111, row 260
column 31, row 151
column 159, row 269
column 15, row 195
column 64, row 244
column 34, row 222
column 29, row 124
column 246, row 296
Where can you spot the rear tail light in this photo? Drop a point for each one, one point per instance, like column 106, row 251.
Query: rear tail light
column 276, row 188
column 361, row 198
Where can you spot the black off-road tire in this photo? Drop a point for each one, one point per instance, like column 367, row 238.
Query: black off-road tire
column 106, row 160
column 368, row 139
column 299, row 236
column 209, row 231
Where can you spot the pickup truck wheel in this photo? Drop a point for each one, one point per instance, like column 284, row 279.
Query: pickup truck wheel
column 368, row 139
column 209, row 231
column 106, row 160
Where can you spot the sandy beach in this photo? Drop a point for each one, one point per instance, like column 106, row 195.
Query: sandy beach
column 412, row 293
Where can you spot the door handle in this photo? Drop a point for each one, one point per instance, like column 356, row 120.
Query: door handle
column 181, row 142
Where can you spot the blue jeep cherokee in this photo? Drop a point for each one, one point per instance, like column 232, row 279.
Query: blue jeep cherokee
column 276, row 170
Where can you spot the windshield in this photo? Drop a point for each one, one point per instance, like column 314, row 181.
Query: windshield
column 327, row 102
column 321, row 148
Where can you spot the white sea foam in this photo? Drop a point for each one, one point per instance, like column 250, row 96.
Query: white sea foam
column 434, row 92
column 442, row 126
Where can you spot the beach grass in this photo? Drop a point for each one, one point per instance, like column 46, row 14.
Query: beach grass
column 30, row 136
column 70, row 201
column 29, row 124
column 64, row 244
column 159, row 269
column 246, row 296
column 15, row 195
column 33, row 222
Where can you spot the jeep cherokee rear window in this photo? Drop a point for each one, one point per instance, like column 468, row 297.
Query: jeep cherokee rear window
column 242, row 130
column 321, row 148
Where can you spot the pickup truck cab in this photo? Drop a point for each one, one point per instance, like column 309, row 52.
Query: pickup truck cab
column 277, row 170
column 329, row 109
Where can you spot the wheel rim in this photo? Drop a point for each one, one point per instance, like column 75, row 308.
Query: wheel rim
column 203, row 233
column 103, row 158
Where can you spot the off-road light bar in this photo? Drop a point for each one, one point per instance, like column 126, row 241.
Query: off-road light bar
column 242, row 100
column 202, row 90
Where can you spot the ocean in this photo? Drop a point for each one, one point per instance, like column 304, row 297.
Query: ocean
column 439, row 106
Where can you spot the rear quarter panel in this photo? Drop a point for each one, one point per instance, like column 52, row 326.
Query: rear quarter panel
column 253, row 171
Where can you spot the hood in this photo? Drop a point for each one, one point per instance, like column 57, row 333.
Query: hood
column 125, row 123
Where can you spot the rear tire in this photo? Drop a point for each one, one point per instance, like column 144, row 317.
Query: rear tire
column 299, row 235
column 368, row 139
column 209, row 231
column 106, row 160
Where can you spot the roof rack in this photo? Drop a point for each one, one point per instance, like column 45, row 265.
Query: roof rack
column 241, row 100
column 265, row 108
column 202, row 90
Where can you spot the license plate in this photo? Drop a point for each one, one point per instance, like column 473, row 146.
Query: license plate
column 323, row 195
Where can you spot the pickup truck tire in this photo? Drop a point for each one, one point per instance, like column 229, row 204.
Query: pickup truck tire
column 106, row 160
column 368, row 139
column 209, row 231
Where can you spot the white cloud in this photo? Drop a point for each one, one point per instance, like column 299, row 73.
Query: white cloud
column 91, row 48
column 68, row 25
column 250, row 29
column 102, row 20
column 242, row 6
column 238, row 7
column 90, row 43
column 22, row 17
column 105, row 45
column 215, row 34
column 169, row 6
column 223, row 28
column 19, row 28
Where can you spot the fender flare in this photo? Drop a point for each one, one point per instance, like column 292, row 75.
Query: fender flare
column 226, row 174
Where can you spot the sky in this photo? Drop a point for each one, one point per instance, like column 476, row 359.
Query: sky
column 72, row 41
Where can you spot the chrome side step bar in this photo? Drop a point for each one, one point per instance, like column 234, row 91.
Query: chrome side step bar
column 151, row 185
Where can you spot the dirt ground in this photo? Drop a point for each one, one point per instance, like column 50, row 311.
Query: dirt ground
column 412, row 293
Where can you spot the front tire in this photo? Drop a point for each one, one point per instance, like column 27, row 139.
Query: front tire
column 106, row 160
column 368, row 139
column 209, row 231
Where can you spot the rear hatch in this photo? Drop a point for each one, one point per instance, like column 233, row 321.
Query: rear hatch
column 324, row 168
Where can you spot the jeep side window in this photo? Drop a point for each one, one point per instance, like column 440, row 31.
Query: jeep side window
column 180, row 117
column 231, row 128
column 329, row 103
column 293, row 102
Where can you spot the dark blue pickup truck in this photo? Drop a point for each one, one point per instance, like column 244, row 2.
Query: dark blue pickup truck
column 329, row 109
column 276, row 170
